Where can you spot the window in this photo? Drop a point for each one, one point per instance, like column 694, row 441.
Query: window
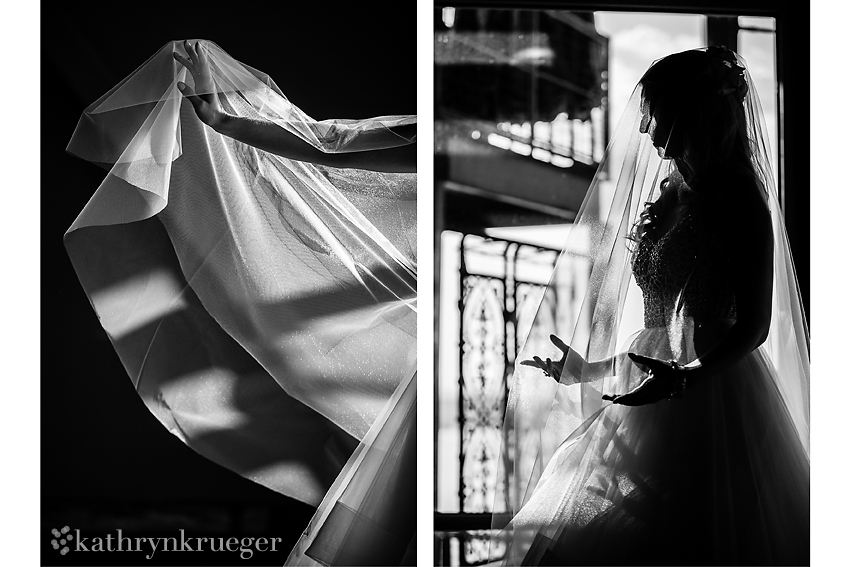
column 523, row 101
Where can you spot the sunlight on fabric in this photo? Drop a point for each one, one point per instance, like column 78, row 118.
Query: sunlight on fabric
column 263, row 307
column 202, row 401
column 156, row 294
column 286, row 475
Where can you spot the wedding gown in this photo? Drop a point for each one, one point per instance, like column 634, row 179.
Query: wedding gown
column 264, row 308
column 720, row 476
column 717, row 477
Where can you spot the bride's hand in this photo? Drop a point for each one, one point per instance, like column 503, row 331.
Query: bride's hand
column 206, row 104
column 556, row 369
column 665, row 380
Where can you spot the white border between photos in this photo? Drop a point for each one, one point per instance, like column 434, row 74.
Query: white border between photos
column 19, row 331
column 20, row 237
column 830, row 205
column 425, row 279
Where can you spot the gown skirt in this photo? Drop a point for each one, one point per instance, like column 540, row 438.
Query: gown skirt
column 719, row 476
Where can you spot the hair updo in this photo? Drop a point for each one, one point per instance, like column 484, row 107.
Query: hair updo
column 692, row 103
column 693, row 106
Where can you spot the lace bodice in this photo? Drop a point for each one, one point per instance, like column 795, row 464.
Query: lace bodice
column 688, row 257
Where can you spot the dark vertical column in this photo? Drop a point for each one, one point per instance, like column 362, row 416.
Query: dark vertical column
column 722, row 30
column 460, row 401
column 441, row 167
column 792, row 73
column 441, row 170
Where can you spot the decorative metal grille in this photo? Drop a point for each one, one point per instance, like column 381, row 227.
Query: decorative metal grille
column 484, row 322
column 500, row 291
column 494, row 303
column 470, row 547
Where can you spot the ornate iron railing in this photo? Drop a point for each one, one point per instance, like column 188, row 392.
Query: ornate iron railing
column 501, row 286
column 491, row 306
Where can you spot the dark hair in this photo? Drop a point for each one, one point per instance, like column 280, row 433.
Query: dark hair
column 692, row 104
column 647, row 223
column 697, row 97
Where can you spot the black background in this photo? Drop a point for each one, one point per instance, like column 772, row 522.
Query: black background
column 106, row 462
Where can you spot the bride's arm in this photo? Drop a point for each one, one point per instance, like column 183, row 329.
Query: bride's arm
column 274, row 139
column 751, row 272
column 574, row 365
column 750, row 247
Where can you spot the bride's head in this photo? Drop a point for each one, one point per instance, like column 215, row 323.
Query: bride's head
column 692, row 107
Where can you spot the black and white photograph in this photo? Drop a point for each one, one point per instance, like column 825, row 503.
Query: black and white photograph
column 462, row 283
column 623, row 368
column 228, row 285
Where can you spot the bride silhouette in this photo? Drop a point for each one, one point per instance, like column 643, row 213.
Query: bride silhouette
column 675, row 430
column 255, row 271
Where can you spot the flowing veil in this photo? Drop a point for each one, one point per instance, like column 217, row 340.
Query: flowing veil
column 555, row 434
column 264, row 308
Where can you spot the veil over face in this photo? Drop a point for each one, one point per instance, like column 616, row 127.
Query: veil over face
column 695, row 111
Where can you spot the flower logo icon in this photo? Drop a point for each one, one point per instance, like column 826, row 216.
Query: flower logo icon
column 61, row 539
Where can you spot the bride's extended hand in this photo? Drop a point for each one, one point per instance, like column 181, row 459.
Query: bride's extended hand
column 556, row 369
column 206, row 104
column 665, row 380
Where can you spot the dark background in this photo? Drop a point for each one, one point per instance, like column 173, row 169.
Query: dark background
column 106, row 462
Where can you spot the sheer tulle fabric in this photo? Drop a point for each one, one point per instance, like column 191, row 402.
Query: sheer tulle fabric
column 720, row 476
column 712, row 479
column 369, row 515
column 264, row 308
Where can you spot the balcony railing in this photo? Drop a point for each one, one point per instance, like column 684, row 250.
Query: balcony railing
column 499, row 291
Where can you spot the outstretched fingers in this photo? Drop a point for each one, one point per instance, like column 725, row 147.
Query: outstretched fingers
column 193, row 63
column 187, row 91
column 639, row 358
column 559, row 343
column 548, row 367
column 535, row 363
column 185, row 62
column 645, row 363
column 191, row 50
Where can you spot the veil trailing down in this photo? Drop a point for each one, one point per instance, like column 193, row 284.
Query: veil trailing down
column 264, row 308
column 667, row 423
